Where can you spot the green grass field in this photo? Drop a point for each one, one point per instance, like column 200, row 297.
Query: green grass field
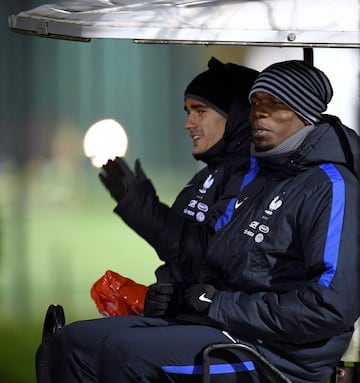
column 58, row 237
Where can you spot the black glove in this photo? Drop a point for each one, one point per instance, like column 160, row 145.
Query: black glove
column 199, row 297
column 119, row 179
column 163, row 299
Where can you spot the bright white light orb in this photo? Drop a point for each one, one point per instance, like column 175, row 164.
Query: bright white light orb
column 104, row 140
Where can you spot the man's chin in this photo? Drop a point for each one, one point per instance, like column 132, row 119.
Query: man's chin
column 197, row 151
column 263, row 148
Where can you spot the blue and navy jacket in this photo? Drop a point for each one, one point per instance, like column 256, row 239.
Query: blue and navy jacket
column 198, row 203
column 283, row 255
column 286, row 266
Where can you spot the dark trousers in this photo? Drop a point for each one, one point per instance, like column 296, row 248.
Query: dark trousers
column 139, row 349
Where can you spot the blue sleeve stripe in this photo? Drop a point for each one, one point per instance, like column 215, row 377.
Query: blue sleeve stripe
column 248, row 177
column 252, row 173
column 335, row 224
column 215, row 369
column 226, row 217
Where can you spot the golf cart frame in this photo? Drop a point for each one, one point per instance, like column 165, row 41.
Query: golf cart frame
column 306, row 24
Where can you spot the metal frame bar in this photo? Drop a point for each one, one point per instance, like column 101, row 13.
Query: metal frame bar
column 264, row 365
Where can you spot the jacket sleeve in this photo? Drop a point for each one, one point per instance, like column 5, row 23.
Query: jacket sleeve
column 324, row 305
column 174, row 239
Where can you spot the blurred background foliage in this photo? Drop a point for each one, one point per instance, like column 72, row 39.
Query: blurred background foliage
column 58, row 234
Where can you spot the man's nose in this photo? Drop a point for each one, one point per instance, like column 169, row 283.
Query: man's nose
column 258, row 111
column 189, row 122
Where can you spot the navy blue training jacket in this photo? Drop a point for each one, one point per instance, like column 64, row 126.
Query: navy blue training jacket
column 287, row 265
column 284, row 256
column 151, row 219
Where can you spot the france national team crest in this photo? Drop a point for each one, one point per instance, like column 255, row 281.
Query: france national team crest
column 258, row 230
column 207, row 184
column 274, row 205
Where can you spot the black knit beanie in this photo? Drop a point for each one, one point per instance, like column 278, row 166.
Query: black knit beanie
column 302, row 87
column 217, row 86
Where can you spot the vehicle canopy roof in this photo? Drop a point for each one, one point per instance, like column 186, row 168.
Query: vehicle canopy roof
column 305, row 23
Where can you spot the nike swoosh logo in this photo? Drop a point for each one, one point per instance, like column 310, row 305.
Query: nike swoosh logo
column 204, row 298
column 239, row 203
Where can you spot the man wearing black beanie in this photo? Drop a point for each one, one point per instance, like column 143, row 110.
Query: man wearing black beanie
column 217, row 122
column 217, row 107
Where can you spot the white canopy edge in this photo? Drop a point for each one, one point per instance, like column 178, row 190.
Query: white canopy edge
column 303, row 23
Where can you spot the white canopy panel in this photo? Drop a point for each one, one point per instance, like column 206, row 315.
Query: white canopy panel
column 307, row 23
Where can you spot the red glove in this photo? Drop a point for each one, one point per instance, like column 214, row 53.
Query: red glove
column 118, row 295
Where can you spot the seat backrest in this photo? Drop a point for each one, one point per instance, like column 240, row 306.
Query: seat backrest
column 352, row 354
column 348, row 369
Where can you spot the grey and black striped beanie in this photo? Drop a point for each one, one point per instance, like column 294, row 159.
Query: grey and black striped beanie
column 302, row 87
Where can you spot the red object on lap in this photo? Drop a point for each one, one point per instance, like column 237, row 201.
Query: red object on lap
column 115, row 294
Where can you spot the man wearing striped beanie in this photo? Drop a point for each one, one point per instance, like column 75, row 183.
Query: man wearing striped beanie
column 298, row 86
column 302, row 87
column 289, row 283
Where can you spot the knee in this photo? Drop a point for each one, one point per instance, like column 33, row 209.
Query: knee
column 116, row 349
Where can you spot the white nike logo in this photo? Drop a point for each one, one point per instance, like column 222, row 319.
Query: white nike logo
column 239, row 203
column 203, row 298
